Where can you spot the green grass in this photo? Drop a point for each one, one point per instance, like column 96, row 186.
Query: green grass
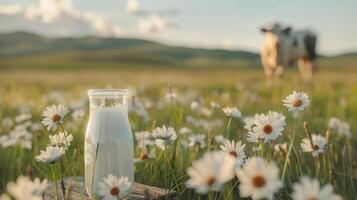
column 333, row 93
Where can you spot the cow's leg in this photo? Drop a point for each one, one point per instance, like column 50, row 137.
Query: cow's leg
column 305, row 68
column 279, row 71
column 268, row 75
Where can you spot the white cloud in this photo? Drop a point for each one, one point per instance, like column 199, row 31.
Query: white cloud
column 11, row 9
column 132, row 7
column 152, row 24
column 54, row 17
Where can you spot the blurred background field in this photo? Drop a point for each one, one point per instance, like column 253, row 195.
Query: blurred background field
column 52, row 52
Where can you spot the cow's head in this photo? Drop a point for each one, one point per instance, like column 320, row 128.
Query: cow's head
column 275, row 42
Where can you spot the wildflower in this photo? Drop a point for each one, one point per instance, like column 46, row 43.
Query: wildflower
column 144, row 138
column 185, row 131
column 78, row 114
column 259, row 179
column 171, row 95
column 248, row 123
column 114, row 188
column 309, row 189
column 297, row 101
column 7, row 122
column 144, row 155
column 53, row 116
column 340, row 127
column 206, row 111
column 51, row 155
column 267, row 127
column 281, row 148
column 164, row 136
column 220, row 139
column 197, row 139
column 215, row 105
column 194, row 105
column 232, row 112
column 62, row 139
column 210, row 172
column 36, row 127
column 316, row 145
column 26, row 189
column 22, row 118
column 18, row 136
column 236, row 150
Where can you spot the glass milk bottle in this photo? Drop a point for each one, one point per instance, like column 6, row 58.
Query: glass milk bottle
column 108, row 147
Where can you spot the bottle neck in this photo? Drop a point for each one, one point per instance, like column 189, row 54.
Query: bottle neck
column 108, row 98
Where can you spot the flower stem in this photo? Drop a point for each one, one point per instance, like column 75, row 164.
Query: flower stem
column 55, row 180
column 165, row 171
column 228, row 130
column 289, row 151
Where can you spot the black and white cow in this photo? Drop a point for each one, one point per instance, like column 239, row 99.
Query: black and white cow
column 284, row 46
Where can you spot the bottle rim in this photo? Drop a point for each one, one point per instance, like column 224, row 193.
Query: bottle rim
column 107, row 92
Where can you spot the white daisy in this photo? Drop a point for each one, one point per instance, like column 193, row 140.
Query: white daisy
column 281, row 148
column 297, row 101
column 144, row 138
column 195, row 105
column 210, row 172
column 78, row 115
column 164, row 136
column 232, row 112
column 197, row 140
column 144, row 155
column 23, row 117
column 53, row 116
column 51, row 155
column 340, row 127
column 267, row 127
column 114, row 188
column 309, row 189
column 7, row 122
column 215, row 105
column 62, row 139
column 317, row 145
column 18, row 136
column 220, row 139
column 248, row 123
column 26, row 189
column 236, row 150
column 171, row 96
column 185, row 131
column 259, row 179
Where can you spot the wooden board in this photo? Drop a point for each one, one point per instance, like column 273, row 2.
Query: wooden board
column 75, row 190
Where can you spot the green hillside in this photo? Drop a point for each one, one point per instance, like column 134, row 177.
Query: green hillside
column 21, row 50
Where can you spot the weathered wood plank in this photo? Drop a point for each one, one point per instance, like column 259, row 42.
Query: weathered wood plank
column 75, row 190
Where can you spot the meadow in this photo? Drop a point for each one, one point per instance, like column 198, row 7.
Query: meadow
column 165, row 97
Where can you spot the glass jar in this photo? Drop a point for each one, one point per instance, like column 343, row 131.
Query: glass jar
column 108, row 147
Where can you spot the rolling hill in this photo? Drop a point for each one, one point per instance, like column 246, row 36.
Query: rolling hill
column 20, row 50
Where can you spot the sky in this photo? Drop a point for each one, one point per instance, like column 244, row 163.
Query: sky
column 226, row 24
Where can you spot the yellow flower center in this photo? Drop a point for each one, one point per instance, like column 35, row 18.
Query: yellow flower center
column 233, row 153
column 312, row 198
column 258, row 181
column 297, row 103
column 144, row 156
column 56, row 118
column 315, row 147
column 114, row 191
column 268, row 129
column 210, row 181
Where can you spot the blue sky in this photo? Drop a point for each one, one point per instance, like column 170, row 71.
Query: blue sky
column 229, row 24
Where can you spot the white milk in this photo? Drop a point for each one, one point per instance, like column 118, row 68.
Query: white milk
column 109, row 134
